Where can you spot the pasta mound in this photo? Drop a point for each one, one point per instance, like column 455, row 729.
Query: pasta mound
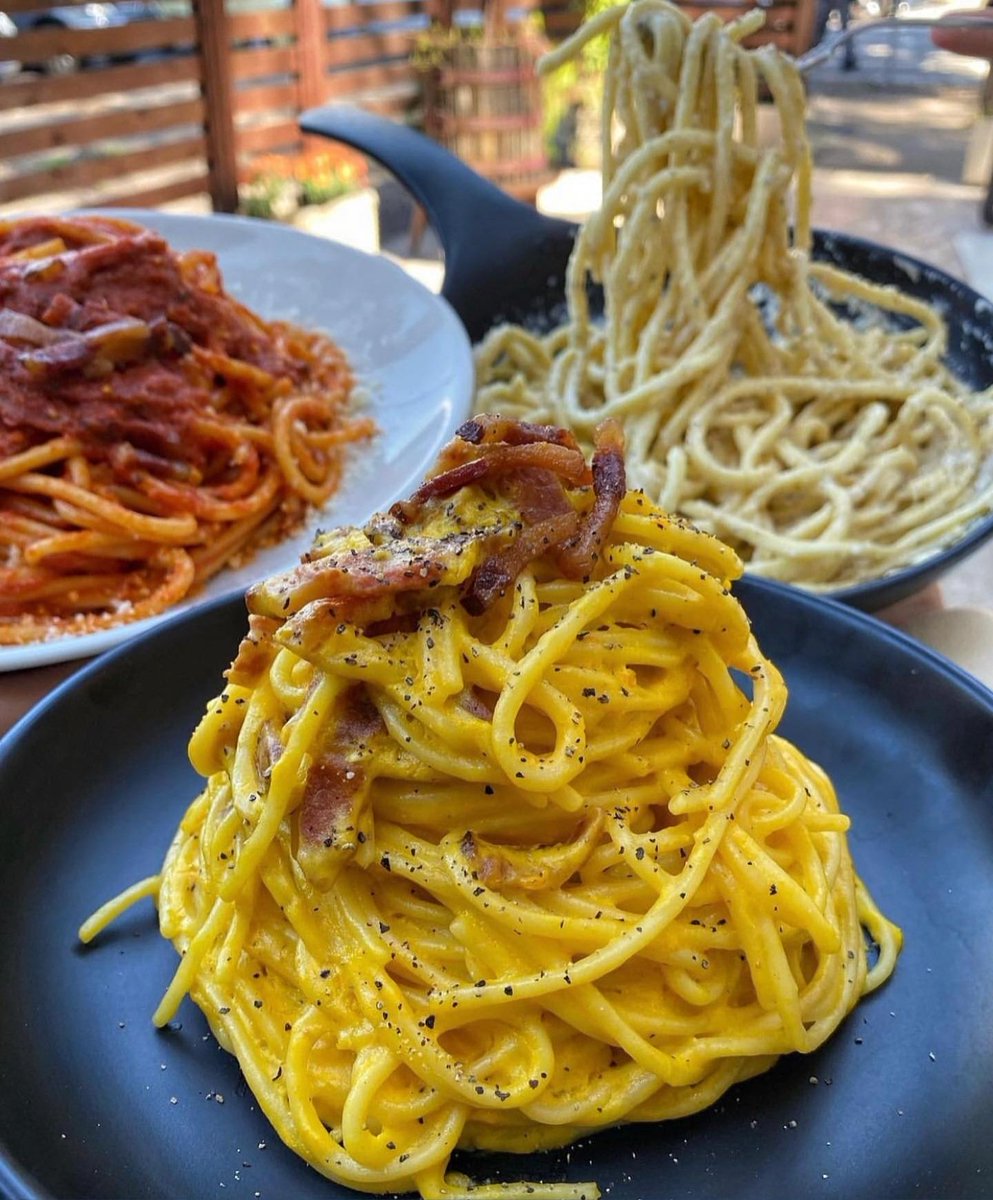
column 498, row 844
column 802, row 414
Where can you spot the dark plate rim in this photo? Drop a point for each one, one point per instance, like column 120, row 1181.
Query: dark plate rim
column 872, row 594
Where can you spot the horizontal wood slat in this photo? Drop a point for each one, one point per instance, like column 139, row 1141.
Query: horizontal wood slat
column 155, row 194
column 86, row 172
column 33, row 6
column 365, row 47
column 266, row 23
column 782, row 39
column 361, row 16
column 341, row 83
column 35, row 90
column 258, row 64
column 263, row 139
column 472, row 12
column 43, row 43
column 505, row 170
column 265, row 98
column 122, row 123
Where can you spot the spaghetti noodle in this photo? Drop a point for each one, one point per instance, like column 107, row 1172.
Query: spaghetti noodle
column 802, row 414
column 497, row 845
column 152, row 429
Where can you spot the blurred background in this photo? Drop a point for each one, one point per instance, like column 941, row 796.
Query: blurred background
column 193, row 106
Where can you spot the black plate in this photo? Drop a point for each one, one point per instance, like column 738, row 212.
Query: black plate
column 506, row 262
column 95, row 1103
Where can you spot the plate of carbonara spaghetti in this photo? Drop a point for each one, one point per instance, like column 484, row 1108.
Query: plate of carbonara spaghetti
column 524, row 849
column 185, row 400
column 821, row 404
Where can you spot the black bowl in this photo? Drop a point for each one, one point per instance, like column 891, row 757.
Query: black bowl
column 506, row 262
column 95, row 1102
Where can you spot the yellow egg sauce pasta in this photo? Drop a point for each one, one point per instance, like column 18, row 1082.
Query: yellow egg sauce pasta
column 498, row 844
column 767, row 397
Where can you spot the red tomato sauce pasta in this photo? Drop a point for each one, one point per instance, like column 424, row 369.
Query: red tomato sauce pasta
column 153, row 429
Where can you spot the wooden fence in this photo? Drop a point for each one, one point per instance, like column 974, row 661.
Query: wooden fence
column 177, row 104
column 170, row 107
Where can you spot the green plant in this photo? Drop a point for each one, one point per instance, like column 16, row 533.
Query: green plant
column 574, row 89
column 268, row 196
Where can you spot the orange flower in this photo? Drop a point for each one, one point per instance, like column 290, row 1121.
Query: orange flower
column 276, row 182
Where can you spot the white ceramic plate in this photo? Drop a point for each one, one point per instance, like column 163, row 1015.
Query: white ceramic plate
column 408, row 350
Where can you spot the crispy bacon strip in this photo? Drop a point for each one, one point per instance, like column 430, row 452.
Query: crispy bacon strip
column 356, row 578
column 471, row 699
column 531, row 468
column 489, row 447
column 576, row 558
column 549, row 519
column 491, row 427
column 493, row 461
column 538, row 494
column 574, row 542
column 333, row 804
column 333, row 782
column 255, row 653
column 358, row 719
column 268, row 750
column 491, row 580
